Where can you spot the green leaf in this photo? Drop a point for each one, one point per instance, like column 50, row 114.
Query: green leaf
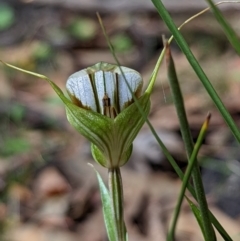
column 107, row 209
column 228, row 30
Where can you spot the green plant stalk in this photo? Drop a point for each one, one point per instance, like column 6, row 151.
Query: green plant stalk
column 192, row 161
column 116, row 195
column 196, row 67
column 189, row 146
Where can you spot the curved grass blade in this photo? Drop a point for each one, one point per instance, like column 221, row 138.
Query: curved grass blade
column 228, row 30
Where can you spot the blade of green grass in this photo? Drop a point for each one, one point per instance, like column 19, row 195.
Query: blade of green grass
column 189, row 145
column 228, row 30
column 219, row 228
column 192, row 161
column 197, row 68
column 214, row 220
column 197, row 214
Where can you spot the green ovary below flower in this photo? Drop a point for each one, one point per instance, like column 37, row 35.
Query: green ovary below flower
column 104, row 110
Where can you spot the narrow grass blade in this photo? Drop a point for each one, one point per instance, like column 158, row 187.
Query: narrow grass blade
column 197, row 214
column 197, row 68
column 188, row 142
column 228, row 30
column 219, row 228
column 107, row 209
column 178, row 101
column 171, row 234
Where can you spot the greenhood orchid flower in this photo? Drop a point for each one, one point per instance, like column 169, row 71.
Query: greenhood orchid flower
column 104, row 108
column 102, row 95
column 107, row 108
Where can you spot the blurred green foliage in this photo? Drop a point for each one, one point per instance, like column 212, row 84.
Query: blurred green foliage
column 42, row 51
column 14, row 145
column 121, row 42
column 82, row 28
column 7, row 17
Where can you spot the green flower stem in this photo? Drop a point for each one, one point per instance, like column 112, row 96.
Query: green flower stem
column 116, row 195
column 187, row 176
column 189, row 145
